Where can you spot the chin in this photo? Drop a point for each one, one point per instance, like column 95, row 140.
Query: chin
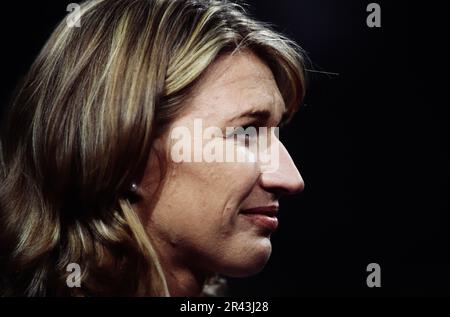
column 252, row 263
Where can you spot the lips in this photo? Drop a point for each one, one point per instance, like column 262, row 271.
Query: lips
column 270, row 211
column 262, row 216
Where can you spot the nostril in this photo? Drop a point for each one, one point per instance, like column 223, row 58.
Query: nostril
column 280, row 192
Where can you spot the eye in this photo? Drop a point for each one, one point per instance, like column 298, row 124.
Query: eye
column 248, row 130
column 244, row 134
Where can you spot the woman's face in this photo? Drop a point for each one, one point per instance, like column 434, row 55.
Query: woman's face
column 200, row 215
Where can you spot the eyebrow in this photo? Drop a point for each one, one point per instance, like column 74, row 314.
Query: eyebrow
column 259, row 115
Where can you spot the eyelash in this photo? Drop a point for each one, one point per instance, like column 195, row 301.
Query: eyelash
column 244, row 128
column 256, row 124
column 250, row 125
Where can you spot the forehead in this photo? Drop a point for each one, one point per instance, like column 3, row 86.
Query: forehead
column 235, row 84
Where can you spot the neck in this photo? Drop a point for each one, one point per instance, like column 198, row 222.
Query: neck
column 183, row 280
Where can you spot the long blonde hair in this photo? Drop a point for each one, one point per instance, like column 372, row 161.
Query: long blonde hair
column 81, row 126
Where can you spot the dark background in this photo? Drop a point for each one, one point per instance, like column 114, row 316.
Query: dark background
column 369, row 143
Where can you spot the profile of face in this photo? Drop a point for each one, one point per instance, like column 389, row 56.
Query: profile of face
column 217, row 217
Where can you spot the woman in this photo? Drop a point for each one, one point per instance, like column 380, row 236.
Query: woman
column 88, row 173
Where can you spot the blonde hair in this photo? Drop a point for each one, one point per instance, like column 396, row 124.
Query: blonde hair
column 81, row 126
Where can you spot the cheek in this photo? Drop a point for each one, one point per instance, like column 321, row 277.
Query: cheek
column 215, row 185
column 200, row 201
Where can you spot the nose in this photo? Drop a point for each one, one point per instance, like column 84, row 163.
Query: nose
column 286, row 178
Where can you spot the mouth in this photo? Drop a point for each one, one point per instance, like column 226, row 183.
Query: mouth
column 265, row 217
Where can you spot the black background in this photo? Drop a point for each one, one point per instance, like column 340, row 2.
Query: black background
column 369, row 143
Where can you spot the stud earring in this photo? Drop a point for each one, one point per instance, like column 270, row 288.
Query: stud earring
column 134, row 188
